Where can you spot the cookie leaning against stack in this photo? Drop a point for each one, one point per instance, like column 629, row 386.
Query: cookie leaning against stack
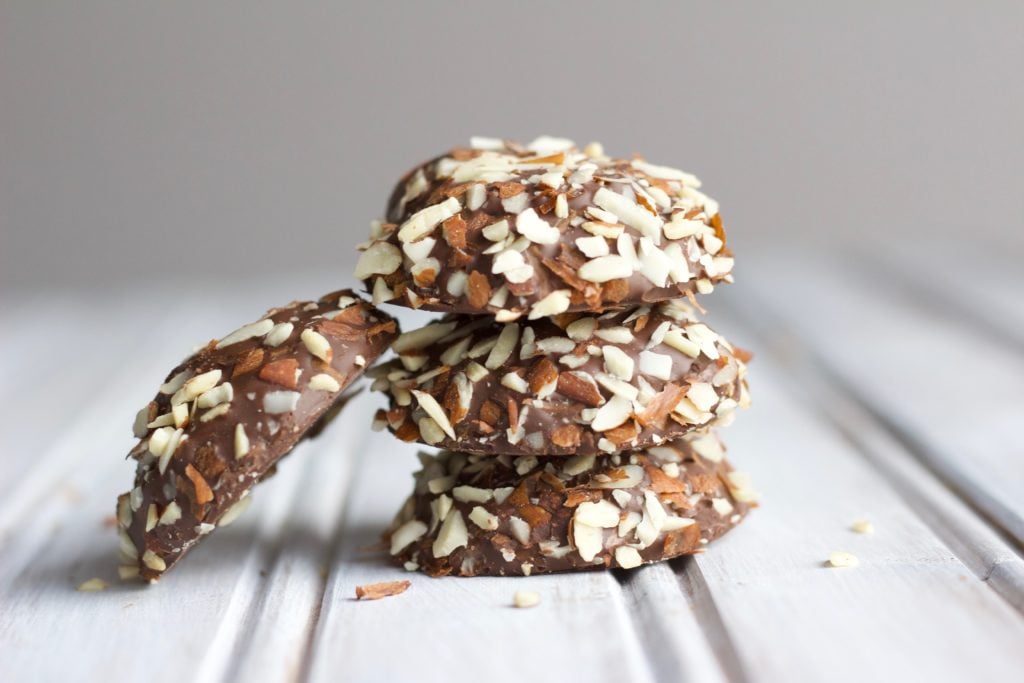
column 228, row 413
column 571, row 377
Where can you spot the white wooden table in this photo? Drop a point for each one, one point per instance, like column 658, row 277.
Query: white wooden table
column 878, row 394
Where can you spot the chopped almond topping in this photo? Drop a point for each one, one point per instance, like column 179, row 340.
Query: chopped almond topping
column 616, row 290
column 585, row 391
column 542, row 374
column 623, row 434
column 552, row 159
column 249, row 363
column 659, row 407
column 682, row 541
column 454, row 230
column 581, row 495
column 513, row 412
column 478, row 290
column 506, row 190
column 566, row 436
column 408, row 431
column 203, row 492
column 281, row 372
column 490, row 413
column 703, row 483
column 662, row 483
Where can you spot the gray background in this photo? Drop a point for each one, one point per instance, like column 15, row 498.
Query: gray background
column 150, row 142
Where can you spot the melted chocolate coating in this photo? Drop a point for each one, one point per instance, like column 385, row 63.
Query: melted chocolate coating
column 540, row 515
column 532, row 400
column 279, row 385
column 464, row 280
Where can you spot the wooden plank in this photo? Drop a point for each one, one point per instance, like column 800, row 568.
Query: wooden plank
column 679, row 636
column 188, row 626
column 912, row 609
column 941, row 384
column 460, row 629
column 987, row 290
column 977, row 545
column 274, row 640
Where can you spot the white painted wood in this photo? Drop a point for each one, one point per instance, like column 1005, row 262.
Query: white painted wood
column 950, row 389
column 459, row 629
column 982, row 284
column 911, row 611
column 972, row 540
column 679, row 641
column 271, row 597
column 277, row 633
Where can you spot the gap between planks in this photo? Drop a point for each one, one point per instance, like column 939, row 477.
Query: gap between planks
column 910, row 366
column 977, row 539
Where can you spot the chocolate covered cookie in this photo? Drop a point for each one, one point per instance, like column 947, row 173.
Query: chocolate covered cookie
column 574, row 384
column 472, row 515
column 227, row 414
column 543, row 229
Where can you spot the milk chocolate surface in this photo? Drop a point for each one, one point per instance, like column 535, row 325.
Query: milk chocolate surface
column 574, row 384
column 473, row 515
column 542, row 229
column 226, row 415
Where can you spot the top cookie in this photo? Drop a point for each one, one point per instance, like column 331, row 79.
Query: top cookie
column 509, row 230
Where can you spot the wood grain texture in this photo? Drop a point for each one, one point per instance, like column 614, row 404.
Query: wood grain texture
column 937, row 596
column 943, row 385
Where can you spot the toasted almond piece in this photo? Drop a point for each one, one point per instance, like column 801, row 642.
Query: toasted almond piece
column 580, row 386
column 376, row 591
column 280, row 372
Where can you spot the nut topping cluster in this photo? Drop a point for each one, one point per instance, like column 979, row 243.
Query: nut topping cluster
column 473, row 514
column 228, row 413
column 542, row 229
column 573, row 384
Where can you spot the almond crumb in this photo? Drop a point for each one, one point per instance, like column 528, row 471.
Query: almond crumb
column 93, row 585
column 863, row 526
column 523, row 599
column 838, row 558
column 376, row 591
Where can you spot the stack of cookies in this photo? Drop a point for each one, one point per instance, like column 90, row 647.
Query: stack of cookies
column 571, row 382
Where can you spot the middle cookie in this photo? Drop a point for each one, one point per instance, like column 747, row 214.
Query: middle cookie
column 568, row 385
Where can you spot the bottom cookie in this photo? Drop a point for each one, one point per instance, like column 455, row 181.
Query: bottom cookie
column 477, row 515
